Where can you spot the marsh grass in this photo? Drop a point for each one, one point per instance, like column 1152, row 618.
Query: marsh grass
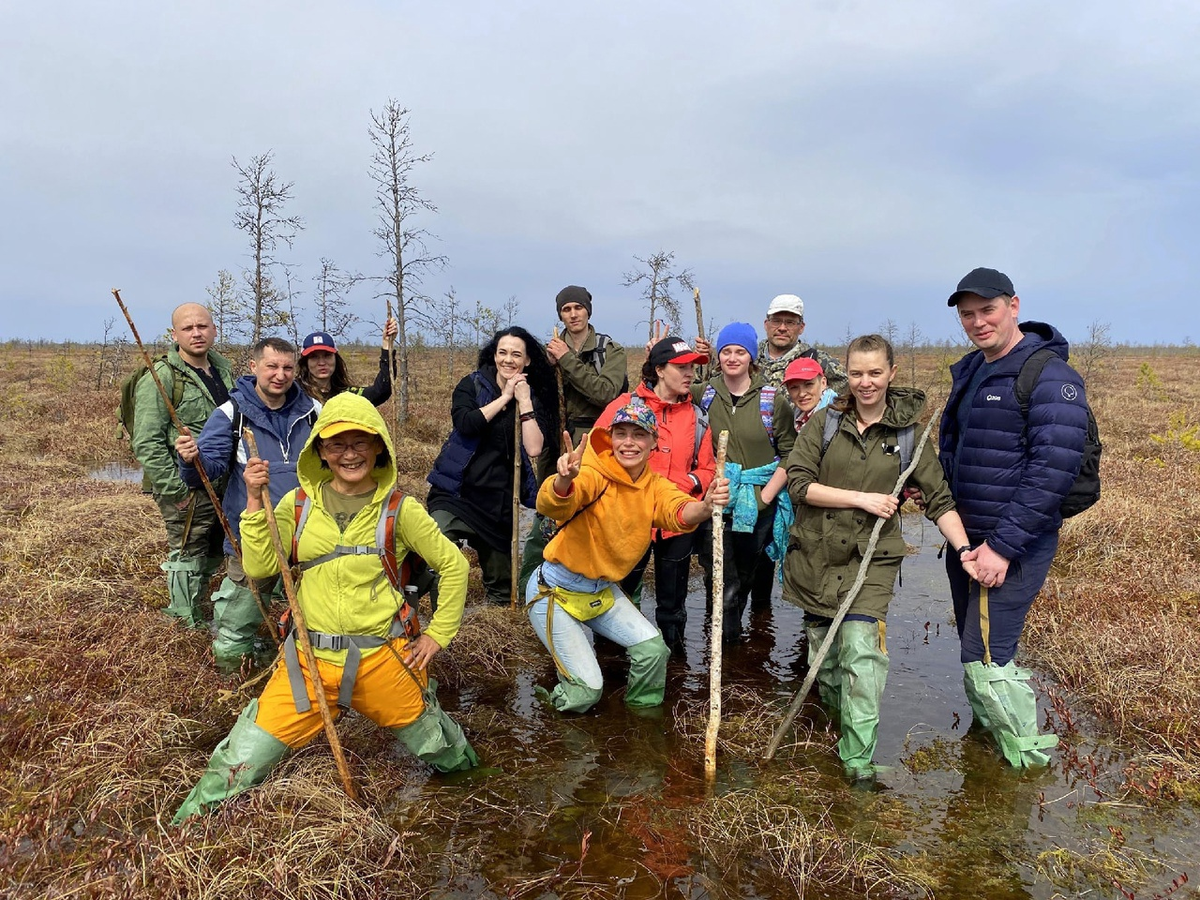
column 108, row 711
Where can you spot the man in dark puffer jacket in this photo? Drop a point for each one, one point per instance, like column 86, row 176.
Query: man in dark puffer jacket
column 1008, row 476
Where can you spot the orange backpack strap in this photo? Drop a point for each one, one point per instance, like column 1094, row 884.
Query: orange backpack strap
column 302, row 506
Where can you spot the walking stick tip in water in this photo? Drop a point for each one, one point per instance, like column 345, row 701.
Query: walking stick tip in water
column 718, row 622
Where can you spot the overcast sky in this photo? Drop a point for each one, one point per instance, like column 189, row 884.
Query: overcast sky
column 862, row 155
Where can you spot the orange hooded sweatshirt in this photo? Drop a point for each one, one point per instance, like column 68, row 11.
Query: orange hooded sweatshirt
column 615, row 517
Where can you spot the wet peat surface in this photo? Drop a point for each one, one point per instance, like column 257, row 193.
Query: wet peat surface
column 591, row 805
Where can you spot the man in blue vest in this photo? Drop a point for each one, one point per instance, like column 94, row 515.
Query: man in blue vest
column 1009, row 472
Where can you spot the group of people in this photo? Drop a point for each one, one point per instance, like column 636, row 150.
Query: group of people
column 617, row 477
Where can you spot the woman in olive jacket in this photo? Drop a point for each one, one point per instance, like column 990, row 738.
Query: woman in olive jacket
column 838, row 492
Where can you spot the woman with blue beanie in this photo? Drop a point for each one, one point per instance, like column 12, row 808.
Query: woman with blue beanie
column 761, row 430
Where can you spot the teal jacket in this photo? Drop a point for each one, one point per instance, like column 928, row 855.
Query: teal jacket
column 153, row 439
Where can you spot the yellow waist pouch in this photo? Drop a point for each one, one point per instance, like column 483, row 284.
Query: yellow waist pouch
column 584, row 605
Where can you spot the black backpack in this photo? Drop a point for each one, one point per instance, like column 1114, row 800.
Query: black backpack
column 1086, row 490
column 598, row 356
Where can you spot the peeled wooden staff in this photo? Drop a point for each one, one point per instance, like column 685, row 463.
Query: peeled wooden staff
column 301, row 628
column 859, row 579
column 699, row 314
column 515, row 551
column 393, row 370
column 718, row 622
column 562, row 398
column 199, row 465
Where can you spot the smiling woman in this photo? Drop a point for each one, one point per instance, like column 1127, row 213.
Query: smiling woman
column 472, row 478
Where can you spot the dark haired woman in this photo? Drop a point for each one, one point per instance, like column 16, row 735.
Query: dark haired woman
column 839, row 490
column 471, row 490
column 684, row 456
column 322, row 373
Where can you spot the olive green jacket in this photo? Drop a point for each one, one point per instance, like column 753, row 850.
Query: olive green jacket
column 586, row 392
column 749, row 446
column 826, row 546
column 153, row 438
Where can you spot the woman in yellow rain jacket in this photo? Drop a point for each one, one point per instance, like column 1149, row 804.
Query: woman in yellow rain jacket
column 363, row 633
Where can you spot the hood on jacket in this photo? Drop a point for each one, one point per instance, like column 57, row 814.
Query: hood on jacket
column 599, row 455
column 904, row 406
column 356, row 410
column 296, row 403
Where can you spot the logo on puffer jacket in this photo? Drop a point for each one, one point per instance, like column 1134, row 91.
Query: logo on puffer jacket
column 992, row 397
column 1069, row 392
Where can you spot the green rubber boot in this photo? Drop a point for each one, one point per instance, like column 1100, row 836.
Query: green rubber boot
column 1009, row 708
column 864, row 668
column 237, row 618
column 569, row 696
column 828, row 676
column 647, row 672
column 436, row 738
column 186, row 581
column 241, row 761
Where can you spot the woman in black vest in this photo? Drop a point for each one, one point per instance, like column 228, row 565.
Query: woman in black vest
column 471, row 490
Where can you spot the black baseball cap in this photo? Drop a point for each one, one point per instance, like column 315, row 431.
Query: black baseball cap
column 986, row 283
column 674, row 350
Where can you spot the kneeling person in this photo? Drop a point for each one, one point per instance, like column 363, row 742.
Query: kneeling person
column 610, row 502
column 370, row 654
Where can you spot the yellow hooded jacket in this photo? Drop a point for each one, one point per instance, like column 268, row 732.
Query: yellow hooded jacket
column 351, row 594
column 608, row 538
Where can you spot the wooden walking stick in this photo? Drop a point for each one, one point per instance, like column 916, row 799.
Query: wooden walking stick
column 562, row 399
column 718, row 622
column 393, row 370
column 699, row 314
column 199, row 466
column 859, row 579
column 301, row 628
column 515, row 551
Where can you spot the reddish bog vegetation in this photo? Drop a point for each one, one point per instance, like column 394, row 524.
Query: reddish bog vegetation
column 108, row 711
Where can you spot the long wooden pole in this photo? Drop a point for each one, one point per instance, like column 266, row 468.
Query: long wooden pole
column 562, row 400
column 301, row 627
column 699, row 314
column 515, row 551
column 718, row 622
column 199, row 466
column 815, row 665
column 393, row 369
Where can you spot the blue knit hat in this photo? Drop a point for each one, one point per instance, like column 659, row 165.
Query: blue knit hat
column 740, row 333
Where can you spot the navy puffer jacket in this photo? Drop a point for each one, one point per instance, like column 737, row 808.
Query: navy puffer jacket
column 1008, row 484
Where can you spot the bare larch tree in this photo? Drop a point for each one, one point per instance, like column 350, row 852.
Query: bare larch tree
column 404, row 247
column 331, row 306
column 228, row 311
column 660, row 280
column 260, row 216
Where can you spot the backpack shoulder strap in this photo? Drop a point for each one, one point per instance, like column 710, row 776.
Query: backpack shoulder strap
column 701, row 427
column 833, row 421
column 601, row 351
column 706, row 398
column 906, row 439
column 385, row 538
column 766, row 409
column 302, row 506
column 1030, row 374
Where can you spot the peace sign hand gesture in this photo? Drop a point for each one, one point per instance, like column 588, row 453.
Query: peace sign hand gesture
column 568, row 463
column 659, row 331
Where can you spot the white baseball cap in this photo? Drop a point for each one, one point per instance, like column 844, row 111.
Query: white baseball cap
column 786, row 303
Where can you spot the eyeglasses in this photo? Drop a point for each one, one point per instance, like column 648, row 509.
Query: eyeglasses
column 789, row 321
column 337, row 448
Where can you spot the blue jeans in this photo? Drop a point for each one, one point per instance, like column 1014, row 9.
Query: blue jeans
column 1007, row 605
column 622, row 624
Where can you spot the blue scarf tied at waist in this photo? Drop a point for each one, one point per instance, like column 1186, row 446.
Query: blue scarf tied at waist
column 744, row 507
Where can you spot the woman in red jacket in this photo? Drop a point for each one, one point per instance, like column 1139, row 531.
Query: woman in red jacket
column 684, row 456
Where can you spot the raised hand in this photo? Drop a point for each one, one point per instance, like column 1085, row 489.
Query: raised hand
column 390, row 329
column 703, row 346
column 569, row 462
column 520, row 388
column 658, row 332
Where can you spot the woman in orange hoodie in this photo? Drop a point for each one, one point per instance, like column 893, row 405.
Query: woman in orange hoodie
column 608, row 501
column 684, row 456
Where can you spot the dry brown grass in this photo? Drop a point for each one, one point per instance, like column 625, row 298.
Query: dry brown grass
column 108, row 711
